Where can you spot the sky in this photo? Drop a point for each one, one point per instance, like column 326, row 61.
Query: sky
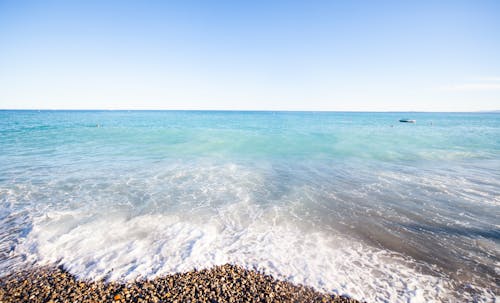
column 251, row 55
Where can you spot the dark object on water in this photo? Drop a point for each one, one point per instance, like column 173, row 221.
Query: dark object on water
column 407, row 120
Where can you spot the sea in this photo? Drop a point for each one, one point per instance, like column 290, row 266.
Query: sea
column 351, row 203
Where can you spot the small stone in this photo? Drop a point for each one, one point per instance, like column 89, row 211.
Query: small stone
column 227, row 283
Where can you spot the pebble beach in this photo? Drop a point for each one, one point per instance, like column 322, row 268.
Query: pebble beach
column 250, row 151
column 226, row 283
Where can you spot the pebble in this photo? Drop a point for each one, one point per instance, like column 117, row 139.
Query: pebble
column 226, row 283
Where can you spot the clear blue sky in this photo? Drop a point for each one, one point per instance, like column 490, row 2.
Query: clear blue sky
column 275, row 55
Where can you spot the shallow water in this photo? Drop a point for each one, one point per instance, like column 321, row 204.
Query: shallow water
column 354, row 203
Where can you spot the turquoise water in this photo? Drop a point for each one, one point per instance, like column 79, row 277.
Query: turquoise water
column 354, row 203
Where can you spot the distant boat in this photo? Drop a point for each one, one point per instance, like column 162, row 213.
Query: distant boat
column 407, row 120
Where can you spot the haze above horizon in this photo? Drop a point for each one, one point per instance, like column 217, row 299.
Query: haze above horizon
column 222, row 55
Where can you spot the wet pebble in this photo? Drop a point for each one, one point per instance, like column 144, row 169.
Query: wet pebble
column 226, row 283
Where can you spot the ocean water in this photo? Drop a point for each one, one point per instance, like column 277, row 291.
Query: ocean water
column 351, row 203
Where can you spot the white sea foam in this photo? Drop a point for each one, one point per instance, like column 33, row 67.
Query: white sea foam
column 120, row 248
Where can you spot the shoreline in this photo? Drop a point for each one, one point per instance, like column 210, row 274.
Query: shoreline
column 225, row 283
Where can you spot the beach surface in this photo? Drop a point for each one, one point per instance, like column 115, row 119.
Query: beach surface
column 226, row 283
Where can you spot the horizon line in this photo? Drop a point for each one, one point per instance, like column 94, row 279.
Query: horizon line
column 248, row 110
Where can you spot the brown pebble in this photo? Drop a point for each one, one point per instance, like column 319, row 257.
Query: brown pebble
column 227, row 283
